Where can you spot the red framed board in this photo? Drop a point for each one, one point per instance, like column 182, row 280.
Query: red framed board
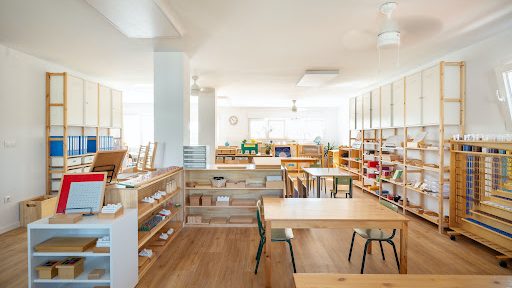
column 81, row 193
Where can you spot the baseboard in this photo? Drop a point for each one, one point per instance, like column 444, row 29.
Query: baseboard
column 9, row 227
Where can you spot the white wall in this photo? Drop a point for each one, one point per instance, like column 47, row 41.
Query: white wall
column 22, row 121
column 207, row 120
column 235, row 134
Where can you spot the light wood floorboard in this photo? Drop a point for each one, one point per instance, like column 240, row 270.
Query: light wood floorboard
column 225, row 257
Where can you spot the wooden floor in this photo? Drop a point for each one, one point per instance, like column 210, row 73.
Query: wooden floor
column 225, row 257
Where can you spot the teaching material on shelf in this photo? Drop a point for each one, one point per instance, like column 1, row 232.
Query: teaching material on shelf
column 47, row 270
column 206, row 200
column 70, row 268
column 96, row 273
column 65, row 218
column 111, row 211
column 195, row 199
column 481, row 198
column 81, row 193
column 66, row 244
column 110, row 162
column 267, row 163
column 235, row 184
column 243, row 202
column 222, row 201
column 241, row 220
column 218, row 182
column 36, row 208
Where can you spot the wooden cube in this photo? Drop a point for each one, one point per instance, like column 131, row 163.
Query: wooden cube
column 48, row 270
column 96, row 274
column 71, row 268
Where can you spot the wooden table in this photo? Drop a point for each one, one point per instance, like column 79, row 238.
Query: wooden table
column 324, row 172
column 330, row 213
column 332, row 280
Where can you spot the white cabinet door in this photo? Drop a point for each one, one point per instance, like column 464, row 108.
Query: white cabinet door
column 452, row 83
column 105, row 107
column 117, row 109
column 413, row 99
column 375, row 108
column 398, row 103
column 352, row 113
column 367, row 111
column 359, row 112
column 91, row 103
column 75, row 101
column 431, row 93
column 385, row 106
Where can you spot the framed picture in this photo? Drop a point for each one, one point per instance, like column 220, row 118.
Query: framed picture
column 81, row 193
column 283, row 151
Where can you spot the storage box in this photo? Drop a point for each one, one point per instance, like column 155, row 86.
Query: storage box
column 391, row 157
column 243, row 202
column 195, row 199
column 36, row 208
column 206, row 200
column 243, row 160
column 275, row 184
column 218, row 220
column 241, row 220
column 194, row 219
column 230, row 160
column 219, row 160
column 48, row 270
column 222, row 201
column 235, row 184
column 71, row 268
column 255, row 183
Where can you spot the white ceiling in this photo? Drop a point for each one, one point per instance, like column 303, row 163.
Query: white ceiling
column 254, row 52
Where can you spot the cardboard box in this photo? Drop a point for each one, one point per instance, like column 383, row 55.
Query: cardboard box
column 71, row 268
column 195, row 200
column 206, row 200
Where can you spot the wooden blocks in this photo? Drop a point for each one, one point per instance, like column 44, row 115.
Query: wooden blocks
column 195, row 200
column 71, row 268
column 96, row 274
column 206, row 200
column 65, row 218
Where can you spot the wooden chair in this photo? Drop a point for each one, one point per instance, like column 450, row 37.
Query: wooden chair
column 278, row 235
column 376, row 235
column 322, row 180
column 301, row 188
column 344, row 183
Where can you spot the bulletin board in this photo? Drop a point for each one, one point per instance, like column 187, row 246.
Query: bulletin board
column 81, row 193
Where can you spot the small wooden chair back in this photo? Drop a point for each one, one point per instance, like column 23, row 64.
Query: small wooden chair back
column 302, row 188
column 344, row 180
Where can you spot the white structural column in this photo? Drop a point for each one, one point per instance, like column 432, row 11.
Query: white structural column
column 172, row 106
column 207, row 121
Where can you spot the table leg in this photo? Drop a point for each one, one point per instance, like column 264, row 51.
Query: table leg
column 268, row 254
column 318, row 185
column 403, row 248
column 335, row 183
column 369, row 250
column 307, row 182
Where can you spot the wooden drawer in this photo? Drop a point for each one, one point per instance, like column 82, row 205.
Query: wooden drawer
column 87, row 159
column 59, row 161
column 78, row 170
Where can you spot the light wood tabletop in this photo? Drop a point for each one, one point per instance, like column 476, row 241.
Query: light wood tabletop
column 336, row 213
column 331, row 280
column 324, row 172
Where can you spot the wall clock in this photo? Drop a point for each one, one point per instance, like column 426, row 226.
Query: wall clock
column 233, row 120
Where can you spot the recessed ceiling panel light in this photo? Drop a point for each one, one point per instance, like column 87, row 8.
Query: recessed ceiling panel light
column 316, row 78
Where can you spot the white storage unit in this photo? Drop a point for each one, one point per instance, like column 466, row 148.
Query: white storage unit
column 352, row 113
column 413, row 99
column 451, row 84
column 367, row 111
column 195, row 156
column 120, row 264
column 91, row 104
column 386, row 106
column 430, row 95
column 359, row 112
column 105, row 109
column 398, row 94
column 375, row 108
column 75, row 101
column 117, row 109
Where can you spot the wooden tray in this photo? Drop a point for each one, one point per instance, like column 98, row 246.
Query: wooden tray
column 66, row 244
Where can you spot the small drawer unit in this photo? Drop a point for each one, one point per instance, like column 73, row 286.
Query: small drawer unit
column 59, row 161
column 195, row 156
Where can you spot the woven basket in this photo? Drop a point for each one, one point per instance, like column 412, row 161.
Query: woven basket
column 218, row 183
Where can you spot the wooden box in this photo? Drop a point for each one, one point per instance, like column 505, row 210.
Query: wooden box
column 195, row 199
column 71, row 268
column 206, row 200
column 96, row 274
column 194, row 219
column 235, row 184
column 243, row 202
column 36, row 208
column 219, row 160
column 243, row 160
column 391, row 157
column 65, row 218
column 66, row 244
column 48, row 270
column 275, row 184
column 230, row 160
column 111, row 215
column 255, row 183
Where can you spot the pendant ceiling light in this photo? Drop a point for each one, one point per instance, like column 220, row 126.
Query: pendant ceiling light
column 389, row 34
column 294, row 105
column 195, row 88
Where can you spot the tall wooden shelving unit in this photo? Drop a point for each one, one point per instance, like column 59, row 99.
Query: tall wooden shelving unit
column 429, row 101
column 77, row 107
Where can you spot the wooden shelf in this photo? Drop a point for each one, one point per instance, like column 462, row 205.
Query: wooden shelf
column 221, row 207
column 226, row 225
column 145, row 236
column 433, row 195
column 224, row 188
column 147, row 208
